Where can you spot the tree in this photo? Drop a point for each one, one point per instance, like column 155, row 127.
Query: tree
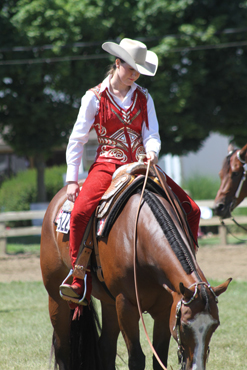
column 37, row 99
column 200, row 85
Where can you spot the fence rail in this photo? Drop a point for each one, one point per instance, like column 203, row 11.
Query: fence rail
column 36, row 230
column 18, row 231
column 216, row 221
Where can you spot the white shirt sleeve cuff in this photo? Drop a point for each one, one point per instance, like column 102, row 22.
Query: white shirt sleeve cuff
column 72, row 173
column 153, row 145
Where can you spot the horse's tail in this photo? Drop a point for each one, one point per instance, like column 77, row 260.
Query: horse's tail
column 84, row 338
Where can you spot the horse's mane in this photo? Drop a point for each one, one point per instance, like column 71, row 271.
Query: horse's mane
column 170, row 230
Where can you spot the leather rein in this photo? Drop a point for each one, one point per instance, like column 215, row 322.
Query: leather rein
column 135, row 278
column 174, row 203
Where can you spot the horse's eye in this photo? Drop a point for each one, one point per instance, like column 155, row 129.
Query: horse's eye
column 186, row 327
column 235, row 174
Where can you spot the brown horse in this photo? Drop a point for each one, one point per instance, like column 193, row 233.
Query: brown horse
column 171, row 287
column 233, row 188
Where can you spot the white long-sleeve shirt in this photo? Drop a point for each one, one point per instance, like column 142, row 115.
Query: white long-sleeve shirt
column 85, row 119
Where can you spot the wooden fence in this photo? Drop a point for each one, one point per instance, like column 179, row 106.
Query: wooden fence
column 216, row 221
column 36, row 230
column 18, row 231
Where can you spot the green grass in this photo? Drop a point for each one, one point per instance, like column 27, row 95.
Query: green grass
column 228, row 348
column 26, row 331
column 23, row 244
column 214, row 239
column 25, row 335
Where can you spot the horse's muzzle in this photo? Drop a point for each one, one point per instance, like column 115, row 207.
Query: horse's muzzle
column 222, row 210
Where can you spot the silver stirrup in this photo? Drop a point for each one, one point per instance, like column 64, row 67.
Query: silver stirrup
column 75, row 300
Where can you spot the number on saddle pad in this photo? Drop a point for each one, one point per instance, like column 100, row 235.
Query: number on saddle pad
column 63, row 222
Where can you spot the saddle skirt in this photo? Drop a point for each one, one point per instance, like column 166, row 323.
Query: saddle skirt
column 125, row 181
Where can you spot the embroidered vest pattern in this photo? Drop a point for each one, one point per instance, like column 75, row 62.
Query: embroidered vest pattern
column 118, row 130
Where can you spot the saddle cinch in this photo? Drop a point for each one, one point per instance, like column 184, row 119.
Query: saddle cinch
column 125, row 182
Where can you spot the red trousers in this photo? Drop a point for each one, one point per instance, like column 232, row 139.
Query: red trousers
column 95, row 185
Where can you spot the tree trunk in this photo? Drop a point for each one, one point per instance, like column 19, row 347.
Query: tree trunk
column 40, row 167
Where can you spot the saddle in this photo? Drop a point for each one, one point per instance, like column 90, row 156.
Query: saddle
column 125, row 181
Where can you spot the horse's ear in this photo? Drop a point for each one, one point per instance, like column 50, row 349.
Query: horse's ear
column 230, row 148
column 187, row 293
column 218, row 290
column 243, row 153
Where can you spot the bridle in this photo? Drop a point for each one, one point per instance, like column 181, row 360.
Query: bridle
column 238, row 191
column 181, row 351
column 243, row 175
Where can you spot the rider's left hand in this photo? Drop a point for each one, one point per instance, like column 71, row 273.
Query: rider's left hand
column 152, row 156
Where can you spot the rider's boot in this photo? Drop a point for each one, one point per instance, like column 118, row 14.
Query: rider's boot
column 76, row 290
column 80, row 289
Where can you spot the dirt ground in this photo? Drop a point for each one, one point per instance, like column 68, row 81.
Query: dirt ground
column 217, row 262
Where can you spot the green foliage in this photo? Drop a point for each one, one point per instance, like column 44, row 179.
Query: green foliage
column 54, row 180
column 200, row 86
column 196, row 91
column 17, row 193
column 202, row 187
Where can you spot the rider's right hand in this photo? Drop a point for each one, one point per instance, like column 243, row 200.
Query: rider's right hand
column 72, row 191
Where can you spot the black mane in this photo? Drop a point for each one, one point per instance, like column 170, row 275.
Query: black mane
column 170, row 230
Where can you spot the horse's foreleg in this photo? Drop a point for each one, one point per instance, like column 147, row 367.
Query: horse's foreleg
column 128, row 318
column 161, row 338
column 109, row 336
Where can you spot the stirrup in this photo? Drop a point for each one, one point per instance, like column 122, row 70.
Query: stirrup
column 80, row 301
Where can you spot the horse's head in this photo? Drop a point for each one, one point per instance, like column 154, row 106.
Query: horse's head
column 233, row 188
column 194, row 320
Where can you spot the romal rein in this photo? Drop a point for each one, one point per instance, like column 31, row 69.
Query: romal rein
column 135, row 279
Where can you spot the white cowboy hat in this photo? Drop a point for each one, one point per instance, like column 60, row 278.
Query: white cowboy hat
column 135, row 54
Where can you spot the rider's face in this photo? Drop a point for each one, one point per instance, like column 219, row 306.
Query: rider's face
column 126, row 73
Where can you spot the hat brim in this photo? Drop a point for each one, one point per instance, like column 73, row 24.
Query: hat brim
column 148, row 68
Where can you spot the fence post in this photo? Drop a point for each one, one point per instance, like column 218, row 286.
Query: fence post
column 223, row 234
column 2, row 239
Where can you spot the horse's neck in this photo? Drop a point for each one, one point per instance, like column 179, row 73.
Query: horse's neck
column 178, row 264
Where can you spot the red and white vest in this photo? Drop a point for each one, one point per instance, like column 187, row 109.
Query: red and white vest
column 119, row 131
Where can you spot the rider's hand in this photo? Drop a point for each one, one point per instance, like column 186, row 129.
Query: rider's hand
column 72, row 190
column 153, row 157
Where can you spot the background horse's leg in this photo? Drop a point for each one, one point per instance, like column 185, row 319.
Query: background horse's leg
column 128, row 317
column 109, row 336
